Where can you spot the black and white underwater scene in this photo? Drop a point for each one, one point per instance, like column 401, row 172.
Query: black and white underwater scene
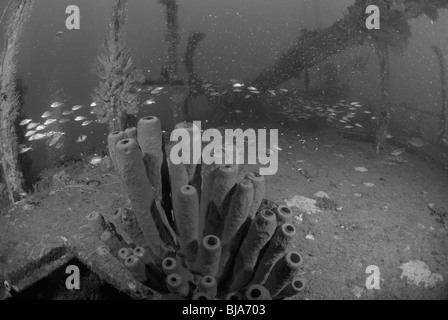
column 223, row 150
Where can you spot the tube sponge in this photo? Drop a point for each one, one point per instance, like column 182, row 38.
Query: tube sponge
column 112, row 140
column 207, row 179
column 131, row 133
column 259, row 191
column 208, row 285
column 149, row 137
column 111, row 240
column 201, row 296
column 234, row 296
column 238, row 212
column 130, row 225
column 260, row 232
column 225, row 178
column 176, row 284
column 207, row 261
column 123, row 253
column 187, row 222
column 136, row 267
column 132, row 172
column 257, row 292
column 143, row 254
column 294, row 287
column 154, row 277
column 171, row 265
column 283, row 273
column 284, row 214
column 276, row 249
column 189, row 127
column 97, row 223
column 178, row 175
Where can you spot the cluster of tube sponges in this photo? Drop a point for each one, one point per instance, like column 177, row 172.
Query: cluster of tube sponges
column 197, row 232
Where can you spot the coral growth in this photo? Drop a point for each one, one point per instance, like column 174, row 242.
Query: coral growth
column 115, row 98
column 225, row 241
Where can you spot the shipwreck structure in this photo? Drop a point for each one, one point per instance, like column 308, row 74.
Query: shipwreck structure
column 314, row 47
column 10, row 100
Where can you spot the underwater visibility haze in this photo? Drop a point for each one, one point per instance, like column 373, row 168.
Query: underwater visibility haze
column 345, row 101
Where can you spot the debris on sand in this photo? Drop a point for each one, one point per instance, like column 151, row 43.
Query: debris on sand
column 304, row 204
column 327, row 204
column 309, row 237
column 417, row 272
column 321, row 194
column 440, row 215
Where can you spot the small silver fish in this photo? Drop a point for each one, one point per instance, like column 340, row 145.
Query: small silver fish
column 86, row 123
column 77, row 107
column 56, row 104
column 63, row 120
column 32, row 125
column 66, row 113
column 80, row 118
column 149, row 102
column 49, row 121
column 24, row 122
column 38, row 136
column 156, row 90
column 26, row 149
column 40, row 127
column 251, row 88
column 93, row 104
column 81, row 138
column 46, row 114
column 238, row 85
column 30, row 133
column 54, row 140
